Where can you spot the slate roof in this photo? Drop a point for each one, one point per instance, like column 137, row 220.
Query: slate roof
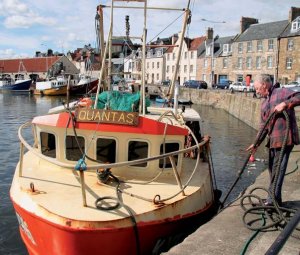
column 287, row 32
column 218, row 45
column 39, row 64
column 263, row 31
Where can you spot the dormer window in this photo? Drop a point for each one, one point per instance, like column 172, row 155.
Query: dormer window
column 226, row 48
column 295, row 25
column 159, row 53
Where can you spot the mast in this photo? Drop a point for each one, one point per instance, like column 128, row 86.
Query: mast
column 174, row 77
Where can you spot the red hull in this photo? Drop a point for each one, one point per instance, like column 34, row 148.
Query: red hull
column 48, row 238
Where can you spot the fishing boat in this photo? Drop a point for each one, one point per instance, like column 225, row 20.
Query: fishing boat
column 86, row 84
column 17, row 84
column 103, row 178
column 55, row 86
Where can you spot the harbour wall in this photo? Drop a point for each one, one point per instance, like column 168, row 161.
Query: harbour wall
column 239, row 104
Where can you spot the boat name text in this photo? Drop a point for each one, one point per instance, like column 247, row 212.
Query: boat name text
column 107, row 116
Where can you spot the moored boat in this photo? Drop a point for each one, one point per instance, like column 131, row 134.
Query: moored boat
column 107, row 171
column 86, row 84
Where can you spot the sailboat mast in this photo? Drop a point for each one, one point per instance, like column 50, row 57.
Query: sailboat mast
column 174, row 77
column 144, row 59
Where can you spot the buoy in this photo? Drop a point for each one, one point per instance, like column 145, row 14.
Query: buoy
column 251, row 159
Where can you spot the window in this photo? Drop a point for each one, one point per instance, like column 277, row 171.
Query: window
column 270, row 44
column 259, row 46
column 191, row 68
column 205, row 63
column 290, row 44
column 225, row 62
column 249, row 62
column 226, row 48
column 157, row 65
column 138, row 150
column 48, row 144
column 159, row 53
column 152, row 65
column 289, row 62
column 204, row 77
column 173, row 56
column 165, row 148
column 240, row 48
column 157, row 77
column 168, row 56
column 185, row 55
column 106, row 150
column 168, row 69
column 258, row 62
column 173, row 69
column 185, row 68
column 269, row 61
column 249, row 46
column 295, row 25
column 192, row 54
column 74, row 150
column 240, row 63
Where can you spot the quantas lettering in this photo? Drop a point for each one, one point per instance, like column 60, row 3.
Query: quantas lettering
column 107, row 116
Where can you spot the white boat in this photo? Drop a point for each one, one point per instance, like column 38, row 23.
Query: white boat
column 86, row 84
column 98, row 180
column 55, row 86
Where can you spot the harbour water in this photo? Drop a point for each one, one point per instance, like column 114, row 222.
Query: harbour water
column 229, row 138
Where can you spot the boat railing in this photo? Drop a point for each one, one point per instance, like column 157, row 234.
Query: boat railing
column 203, row 143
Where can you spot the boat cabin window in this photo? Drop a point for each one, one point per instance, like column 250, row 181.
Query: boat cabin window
column 106, row 150
column 48, row 144
column 138, row 150
column 165, row 148
column 74, row 150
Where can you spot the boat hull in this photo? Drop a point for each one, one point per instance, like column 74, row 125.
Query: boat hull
column 66, row 239
column 22, row 85
column 84, row 88
column 60, row 91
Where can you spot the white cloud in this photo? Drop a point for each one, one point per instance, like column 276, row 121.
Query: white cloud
column 12, row 7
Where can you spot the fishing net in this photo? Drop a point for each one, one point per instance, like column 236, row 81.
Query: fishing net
column 118, row 101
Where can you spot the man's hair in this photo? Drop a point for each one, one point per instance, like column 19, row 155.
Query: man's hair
column 263, row 78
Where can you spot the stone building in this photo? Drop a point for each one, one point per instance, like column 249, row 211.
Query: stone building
column 289, row 50
column 214, row 58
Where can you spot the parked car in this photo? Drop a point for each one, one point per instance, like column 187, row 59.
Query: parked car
column 291, row 84
column 223, row 84
column 166, row 83
column 240, row 86
column 195, row 84
column 295, row 88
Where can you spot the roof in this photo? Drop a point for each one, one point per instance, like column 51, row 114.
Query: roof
column 287, row 32
column 145, row 125
column 263, row 31
column 196, row 42
column 40, row 64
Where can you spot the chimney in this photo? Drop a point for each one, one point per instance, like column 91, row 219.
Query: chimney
column 174, row 39
column 209, row 33
column 294, row 13
column 246, row 22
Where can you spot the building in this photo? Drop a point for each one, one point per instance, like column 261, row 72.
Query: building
column 188, row 60
column 289, row 50
column 38, row 67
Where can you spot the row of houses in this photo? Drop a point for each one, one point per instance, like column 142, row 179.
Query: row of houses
column 272, row 48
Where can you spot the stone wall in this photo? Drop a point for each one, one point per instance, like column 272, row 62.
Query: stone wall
column 241, row 105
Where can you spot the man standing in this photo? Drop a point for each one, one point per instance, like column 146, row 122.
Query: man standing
column 276, row 100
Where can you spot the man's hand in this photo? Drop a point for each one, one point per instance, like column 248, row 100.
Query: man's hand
column 252, row 149
column 280, row 107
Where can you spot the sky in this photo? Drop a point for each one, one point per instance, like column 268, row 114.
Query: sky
column 27, row 26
